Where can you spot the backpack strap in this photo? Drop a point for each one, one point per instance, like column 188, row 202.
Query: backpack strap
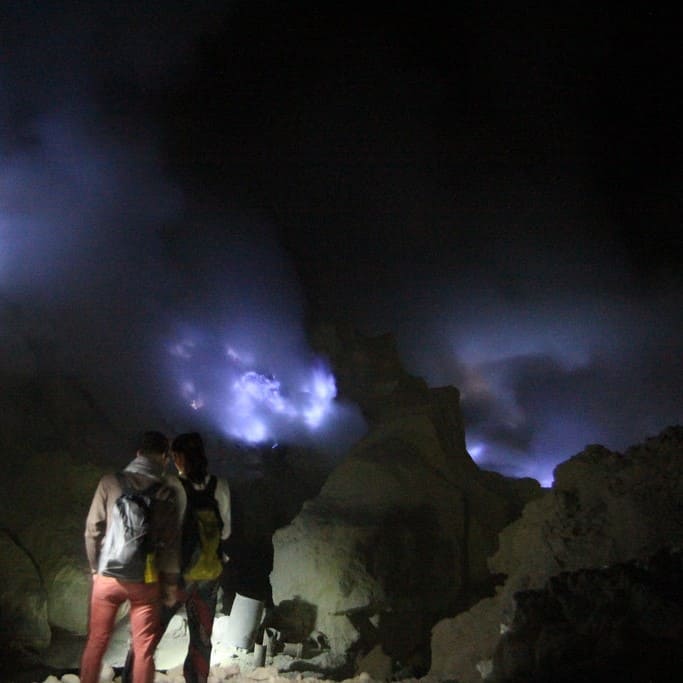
column 191, row 491
column 211, row 486
column 128, row 490
column 124, row 483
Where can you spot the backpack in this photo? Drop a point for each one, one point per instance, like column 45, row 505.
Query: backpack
column 128, row 550
column 201, row 535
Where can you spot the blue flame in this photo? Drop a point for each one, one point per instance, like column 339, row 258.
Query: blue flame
column 247, row 403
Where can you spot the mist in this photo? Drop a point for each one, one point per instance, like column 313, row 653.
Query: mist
column 182, row 192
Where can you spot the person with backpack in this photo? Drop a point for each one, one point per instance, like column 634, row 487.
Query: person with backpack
column 132, row 541
column 206, row 525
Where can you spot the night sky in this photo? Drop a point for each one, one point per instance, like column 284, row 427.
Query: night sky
column 185, row 188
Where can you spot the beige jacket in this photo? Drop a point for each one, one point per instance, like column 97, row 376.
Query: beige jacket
column 166, row 537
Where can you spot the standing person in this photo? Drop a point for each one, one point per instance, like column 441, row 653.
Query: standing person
column 206, row 525
column 132, row 541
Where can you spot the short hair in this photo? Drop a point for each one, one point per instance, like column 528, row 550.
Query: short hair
column 192, row 447
column 153, row 443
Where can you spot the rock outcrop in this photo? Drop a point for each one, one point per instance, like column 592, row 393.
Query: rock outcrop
column 604, row 508
column 624, row 622
column 44, row 568
column 400, row 532
column 405, row 531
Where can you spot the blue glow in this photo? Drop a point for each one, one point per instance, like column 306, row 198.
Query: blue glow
column 539, row 374
column 320, row 392
column 500, row 457
column 219, row 381
column 476, row 450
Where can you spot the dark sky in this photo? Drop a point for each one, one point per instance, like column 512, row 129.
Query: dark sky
column 499, row 188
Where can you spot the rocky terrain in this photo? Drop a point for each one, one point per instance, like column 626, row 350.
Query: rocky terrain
column 402, row 560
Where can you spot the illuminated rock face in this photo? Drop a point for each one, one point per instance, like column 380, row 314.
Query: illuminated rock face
column 399, row 534
column 604, row 508
column 50, row 498
column 23, row 600
column 68, row 595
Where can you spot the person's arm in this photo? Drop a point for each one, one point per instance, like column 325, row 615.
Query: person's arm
column 222, row 496
column 96, row 524
column 223, row 501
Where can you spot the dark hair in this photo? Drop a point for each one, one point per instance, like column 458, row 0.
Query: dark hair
column 192, row 447
column 152, row 443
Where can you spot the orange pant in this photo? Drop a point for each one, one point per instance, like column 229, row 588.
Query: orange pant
column 107, row 595
column 199, row 598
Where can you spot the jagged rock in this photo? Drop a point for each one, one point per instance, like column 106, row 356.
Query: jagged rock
column 399, row 533
column 603, row 508
column 625, row 622
column 473, row 632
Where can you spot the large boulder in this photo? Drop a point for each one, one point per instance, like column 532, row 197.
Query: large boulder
column 64, row 570
column 604, row 508
column 23, row 599
column 50, row 423
column 51, row 494
column 399, row 534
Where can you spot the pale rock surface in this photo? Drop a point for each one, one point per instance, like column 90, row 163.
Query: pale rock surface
column 52, row 498
column 233, row 675
column 170, row 652
column 400, row 531
column 107, row 674
column 68, row 593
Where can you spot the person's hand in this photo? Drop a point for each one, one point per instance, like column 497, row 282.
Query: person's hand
column 224, row 550
column 169, row 595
